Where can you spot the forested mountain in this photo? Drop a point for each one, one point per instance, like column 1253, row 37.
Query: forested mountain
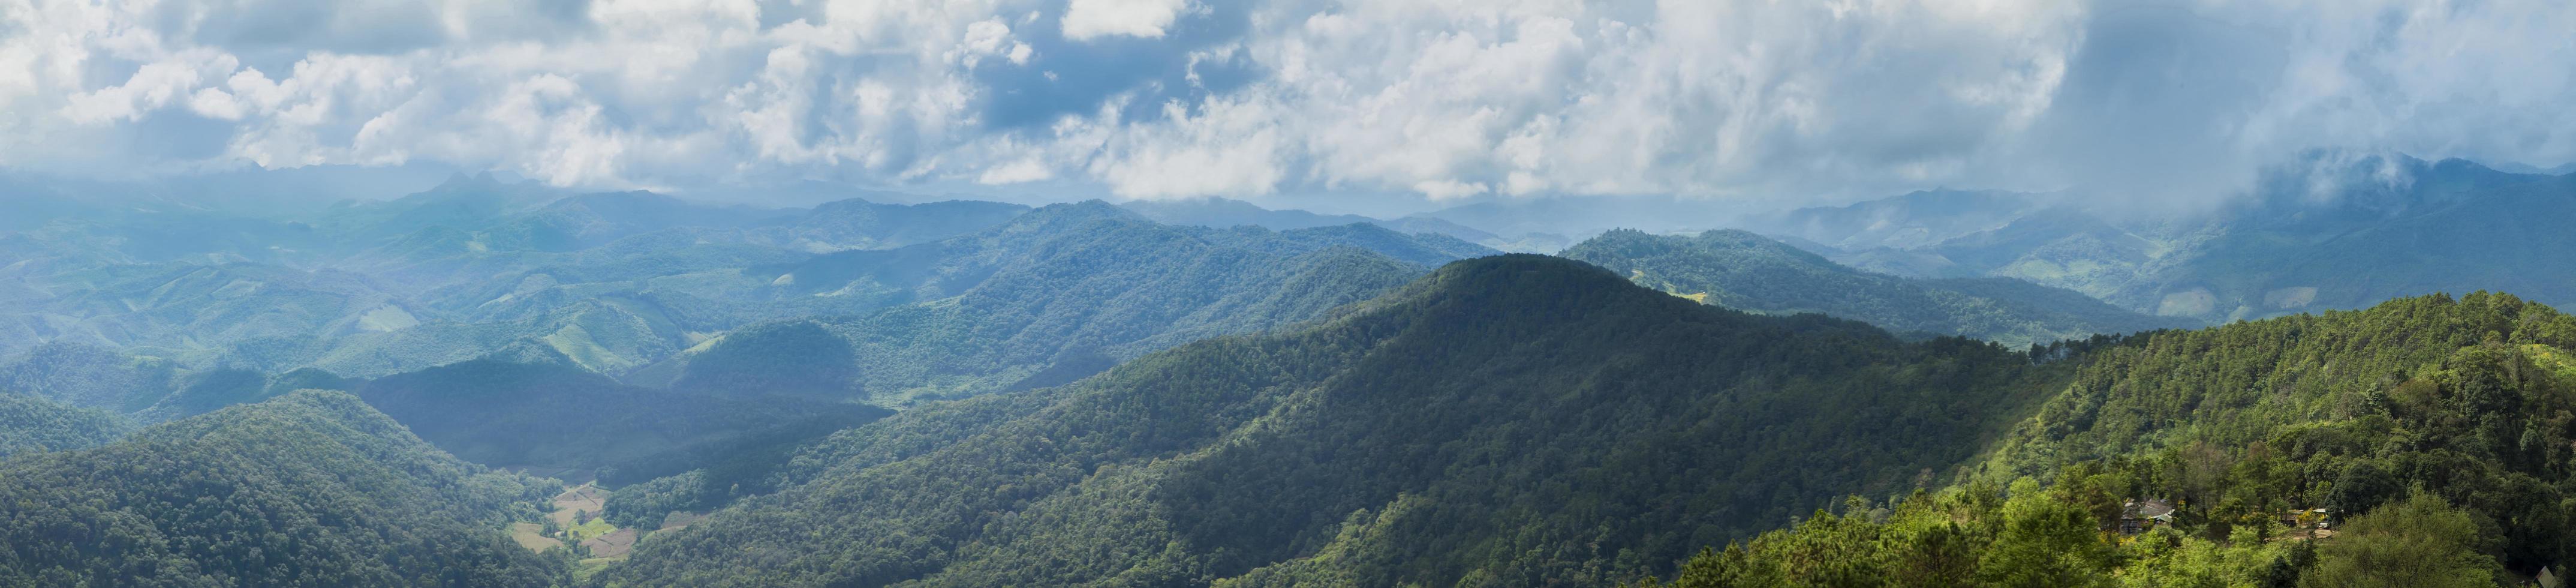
column 1551, row 223
column 1741, row 270
column 1060, row 292
column 31, row 424
column 309, row 489
column 210, row 390
column 2438, row 429
column 1089, row 396
column 613, row 282
column 86, row 376
column 1391, row 444
column 539, row 413
column 1222, row 213
column 2332, row 231
column 591, row 220
column 1510, row 420
column 860, row 224
column 557, row 417
column 1909, row 221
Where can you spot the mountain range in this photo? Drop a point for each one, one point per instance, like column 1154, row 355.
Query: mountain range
column 497, row 383
column 1526, row 420
column 1485, row 422
column 1741, row 270
column 2339, row 231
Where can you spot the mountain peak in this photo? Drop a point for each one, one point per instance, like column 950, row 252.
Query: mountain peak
column 614, row 199
column 844, row 204
column 460, row 181
column 1075, row 212
column 1534, row 282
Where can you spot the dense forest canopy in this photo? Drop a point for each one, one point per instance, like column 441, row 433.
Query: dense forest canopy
column 309, row 489
column 2436, row 431
column 34, row 424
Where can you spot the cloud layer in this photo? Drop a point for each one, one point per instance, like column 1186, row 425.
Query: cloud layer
column 1167, row 98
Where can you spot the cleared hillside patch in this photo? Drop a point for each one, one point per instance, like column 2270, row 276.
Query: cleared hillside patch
column 532, row 536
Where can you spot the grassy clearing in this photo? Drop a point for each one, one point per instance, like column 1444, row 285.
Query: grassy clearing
column 586, row 531
column 581, row 572
column 614, row 544
column 532, row 536
column 579, row 499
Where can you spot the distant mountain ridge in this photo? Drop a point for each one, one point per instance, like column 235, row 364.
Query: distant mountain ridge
column 1060, row 286
column 1741, row 270
column 2332, row 231
column 1223, row 213
column 455, row 272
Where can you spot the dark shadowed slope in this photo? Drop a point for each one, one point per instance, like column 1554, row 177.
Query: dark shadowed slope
column 1512, row 420
column 557, row 417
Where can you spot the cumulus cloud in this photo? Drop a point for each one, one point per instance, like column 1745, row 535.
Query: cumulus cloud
column 2149, row 101
column 1085, row 19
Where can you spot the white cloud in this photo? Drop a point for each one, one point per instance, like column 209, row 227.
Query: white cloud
column 1231, row 148
column 1088, row 19
column 1018, row 171
column 152, row 86
column 1161, row 98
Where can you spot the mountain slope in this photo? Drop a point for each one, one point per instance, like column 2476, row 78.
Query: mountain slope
column 311, row 489
column 1221, row 213
column 2432, row 431
column 1061, row 287
column 31, row 424
column 1509, row 420
column 591, row 220
column 1737, row 269
column 2483, row 238
column 86, row 376
column 860, row 224
column 613, row 280
column 552, row 417
column 1912, row 220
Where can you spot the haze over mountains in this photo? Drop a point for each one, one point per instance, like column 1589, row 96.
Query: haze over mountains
column 1204, row 392
column 2338, row 233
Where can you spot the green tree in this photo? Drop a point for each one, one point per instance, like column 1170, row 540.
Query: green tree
column 2044, row 542
column 2422, row 542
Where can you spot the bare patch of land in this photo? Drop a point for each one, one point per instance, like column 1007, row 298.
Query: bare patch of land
column 580, row 499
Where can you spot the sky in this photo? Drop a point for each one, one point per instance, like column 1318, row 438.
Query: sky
column 1430, row 102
